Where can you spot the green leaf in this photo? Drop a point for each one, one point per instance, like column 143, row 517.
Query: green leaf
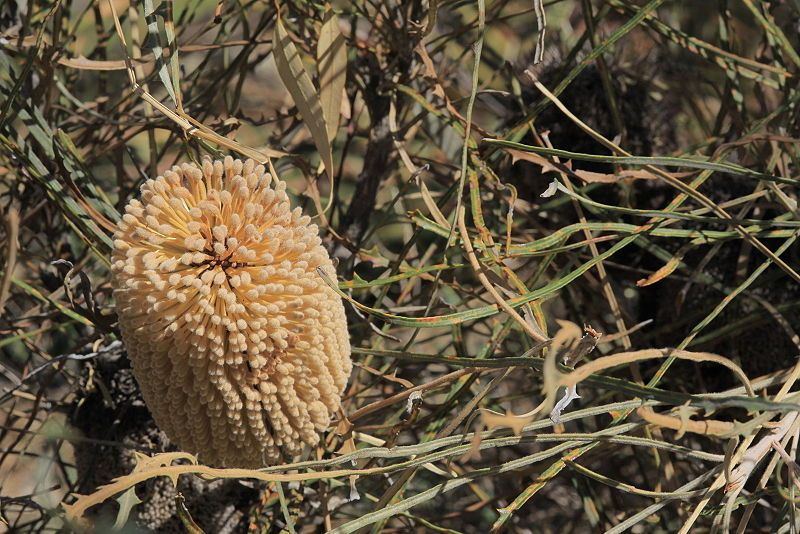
column 172, row 43
column 154, row 43
column 126, row 501
column 294, row 76
column 185, row 517
column 332, row 70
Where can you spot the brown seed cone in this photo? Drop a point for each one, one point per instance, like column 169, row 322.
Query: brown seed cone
column 239, row 346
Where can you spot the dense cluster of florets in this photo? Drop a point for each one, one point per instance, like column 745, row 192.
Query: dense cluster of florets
column 239, row 346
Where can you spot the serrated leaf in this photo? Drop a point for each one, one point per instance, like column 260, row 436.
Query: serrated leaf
column 126, row 501
column 297, row 81
column 332, row 70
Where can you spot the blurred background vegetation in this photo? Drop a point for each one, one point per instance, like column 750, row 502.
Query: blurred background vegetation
column 625, row 164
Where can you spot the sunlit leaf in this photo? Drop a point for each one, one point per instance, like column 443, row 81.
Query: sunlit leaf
column 297, row 81
column 332, row 70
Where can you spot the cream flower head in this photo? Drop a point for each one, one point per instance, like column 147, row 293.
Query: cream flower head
column 239, row 346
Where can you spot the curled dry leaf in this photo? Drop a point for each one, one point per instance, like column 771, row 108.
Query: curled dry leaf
column 685, row 424
column 586, row 176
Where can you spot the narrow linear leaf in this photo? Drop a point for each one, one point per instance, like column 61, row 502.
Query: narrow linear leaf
column 172, row 43
column 154, row 43
column 185, row 517
column 332, row 69
column 294, row 76
column 668, row 268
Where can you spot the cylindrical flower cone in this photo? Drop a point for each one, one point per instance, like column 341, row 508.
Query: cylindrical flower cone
column 239, row 346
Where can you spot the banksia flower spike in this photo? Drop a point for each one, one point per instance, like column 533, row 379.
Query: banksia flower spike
column 239, row 346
